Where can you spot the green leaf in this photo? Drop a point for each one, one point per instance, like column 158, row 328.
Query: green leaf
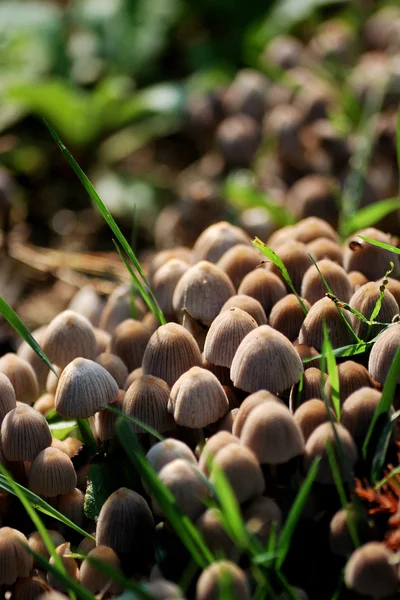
column 295, row 513
column 63, row 429
column 332, row 371
column 370, row 215
column 274, row 258
column 343, row 351
column 141, row 281
column 21, row 329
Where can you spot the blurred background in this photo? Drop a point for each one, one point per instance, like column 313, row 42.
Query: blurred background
column 182, row 114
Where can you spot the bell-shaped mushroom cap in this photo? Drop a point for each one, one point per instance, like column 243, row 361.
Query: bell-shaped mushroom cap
column 316, row 446
column 129, row 341
column 186, row 484
column 103, row 339
column 227, row 331
column 224, row 575
column 7, row 396
column 70, row 565
column 214, row 444
column 352, row 377
column 197, row 399
column 29, row 355
column 115, row 366
column 288, row 315
column 24, row 433
column 358, row 411
column 68, row 336
column 30, row 587
column 22, row 377
column 241, row 469
column 370, row 260
column 260, row 515
column 171, row 351
column 202, row 291
column 313, row 287
column 310, row 415
column 249, row 305
column 36, row 543
column 164, row 283
column 163, row 257
column 146, row 399
column 295, row 257
column 118, row 308
column 15, row 560
column 238, row 261
column 312, row 333
column 125, row 521
column 247, row 405
column 364, row 300
column 323, row 247
column 84, row 388
column 265, row 360
column 264, row 286
column 369, row 571
column 52, row 473
column 340, row 538
column 383, row 352
column 313, row 379
column 214, row 534
column 168, row 450
column 311, row 228
column 271, row 432
column 94, row 579
column 216, row 240
column 71, row 506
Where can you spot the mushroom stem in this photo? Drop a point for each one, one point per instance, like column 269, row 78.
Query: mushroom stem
column 92, row 426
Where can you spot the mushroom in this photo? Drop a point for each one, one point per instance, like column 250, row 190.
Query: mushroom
column 364, row 301
column 294, row 256
column 146, row 399
column 358, row 411
column 7, row 396
column 264, row 286
column 370, row 572
column 94, row 578
column 238, row 261
column 216, row 240
column 71, row 506
column 168, row 450
column 249, row 305
column 115, row 366
column 352, row 377
column 15, row 560
column 214, row 444
column 287, row 316
column 383, row 352
column 224, row 575
column 247, row 405
column 68, row 336
column 164, row 283
column 128, row 341
column 310, row 415
column 70, row 566
column 225, row 334
column 29, row 355
column 52, row 473
column 313, row 286
column 36, row 543
column 22, row 377
column 311, row 332
column 370, row 260
column 24, row 433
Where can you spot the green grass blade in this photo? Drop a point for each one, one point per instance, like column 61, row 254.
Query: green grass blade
column 370, row 215
column 386, row 400
column 22, row 330
column 343, row 351
column 37, row 521
column 144, row 288
column 380, row 244
column 184, row 528
column 39, row 504
column 295, row 514
column 378, row 303
column 274, row 258
column 87, row 435
column 63, row 429
column 342, row 494
column 332, row 371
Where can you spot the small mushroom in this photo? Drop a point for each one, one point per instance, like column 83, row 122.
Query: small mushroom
column 358, row 411
column 52, row 473
column 369, row 571
column 238, row 138
column 261, row 514
column 249, row 305
column 216, row 239
column 364, row 301
column 24, row 433
column 222, row 575
column 294, row 256
column 15, row 560
column 264, row 286
column 287, row 316
column 238, row 261
column 383, row 352
column 311, row 332
column 22, row 377
column 70, row 565
column 168, row 450
column 247, row 405
column 310, row 415
column 352, row 377
column 93, row 578
column 36, row 543
column 71, row 506
column 323, row 247
column 115, row 366
column 370, row 260
column 313, row 286
column 226, row 332
column 164, row 283
column 146, row 399
column 68, row 336
column 128, row 341
column 214, row 444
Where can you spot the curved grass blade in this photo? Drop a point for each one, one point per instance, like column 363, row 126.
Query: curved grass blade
column 380, row 244
column 274, row 258
column 370, row 215
column 332, row 371
column 87, row 435
column 343, row 351
column 41, row 505
column 22, row 330
column 143, row 285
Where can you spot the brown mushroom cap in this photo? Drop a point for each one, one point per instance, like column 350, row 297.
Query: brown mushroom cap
column 146, row 399
column 197, row 399
column 358, row 411
column 260, row 515
column 68, row 336
column 364, row 300
column 222, row 573
column 52, row 473
column 383, row 352
column 7, row 396
column 213, row 445
column 370, row 572
column 295, row 258
column 214, row 534
column 311, row 332
column 115, row 366
column 36, row 543
column 24, row 433
column 202, row 291
column 129, row 341
column 71, row 506
column 226, row 332
column 238, row 261
column 352, row 377
column 247, row 405
column 15, row 560
column 310, row 415
column 168, row 450
column 287, row 316
column 264, row 286
column 267, row 360
column 370, row 260
column 249, row 305
column 30, row 587
column 313, row 287
column 171, row 351
column 94, row 579
column 271, row 432
column 216, row 240
column 70, row 565
column 29, row 355
column 22, row 377
column 323, row 247
column 164, row 283
column 106, row 420
column 84, row 388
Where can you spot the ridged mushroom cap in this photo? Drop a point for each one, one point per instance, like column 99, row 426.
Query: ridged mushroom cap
column 313, row 287
column 214, row 241
column 70, row 565
column 287, row 316
column 323, row 247
column 94, row 579
column 106, row 420
column 163, row 257
column 186, row 484
column 214, row 534
column 370, row 260
column 358, row 411
column 271, row 432
column 24, row 433
column 88, row 303
column 7, row 396
column 311, row 332
column 146, row 399
column 313, row 379
column 36, row 543
column 29, row 355
column 249, row 305
column 129, row 341
column 295, row 258
column 22, row 377
column 84, row 388
column 383, row 352
column 68, row 336
column 316, row 446
column 213, row 577
column 238, row 261
column 352, row 377
column 125, row 520
column 118, row 308
column 213, row 445
column 164, row 283
column 310, row 415
column 197, row 399
column 267, row 360
column 202, row 290
column 71, row 506
column 226, row 332
column 264, row 286
column 168, row 450
column 248, row 405
column 241, row 468
column 115, row 366
column 52, row 473
column 364, row 300
column 370, row 572
column 29, row 588
column 171, row 351
column 15, row 560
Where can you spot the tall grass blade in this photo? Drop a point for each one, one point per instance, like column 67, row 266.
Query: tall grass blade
column 398, row 141
column 274, row 258
column 22, row 330
column 378, row 303
column 332, row 371
column 295, row 514
column 184, row 528
column 144, row 287
column 380, row 244
column 87, row 435
column 343, row 351
column 386, row 399
column 370, row 215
